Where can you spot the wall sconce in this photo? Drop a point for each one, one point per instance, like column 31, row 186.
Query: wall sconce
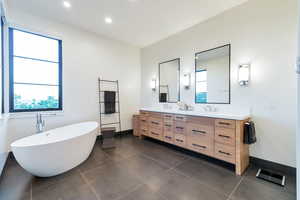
column 186, row 80
column 244, row 74
column 153, row 84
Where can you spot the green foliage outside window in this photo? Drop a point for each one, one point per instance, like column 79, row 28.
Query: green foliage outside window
column 20, row 104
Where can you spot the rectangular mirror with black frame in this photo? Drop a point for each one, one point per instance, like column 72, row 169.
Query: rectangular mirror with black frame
column 169, row 81
column 212, row 76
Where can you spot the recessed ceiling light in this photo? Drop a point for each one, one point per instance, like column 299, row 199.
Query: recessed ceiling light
column 67, row 4
column 108, row 20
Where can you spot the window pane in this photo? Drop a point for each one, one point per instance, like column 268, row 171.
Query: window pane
column 34, row 46
column 201, row 97
column 31, row 71
column 201, row 76
column 201, row 87
column 35, row 97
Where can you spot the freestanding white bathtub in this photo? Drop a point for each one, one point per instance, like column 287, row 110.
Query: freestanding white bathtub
column 56, row 151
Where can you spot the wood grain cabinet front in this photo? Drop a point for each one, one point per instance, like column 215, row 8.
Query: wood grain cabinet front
column 180, row 140
column 225, row 152
column 225, row 136
column 169, row 137
column 155, row 123
column 218, row 138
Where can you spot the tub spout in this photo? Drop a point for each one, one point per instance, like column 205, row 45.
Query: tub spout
column 40, row 123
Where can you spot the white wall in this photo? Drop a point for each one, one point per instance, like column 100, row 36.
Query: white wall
column 263, row 32
column 86, row 56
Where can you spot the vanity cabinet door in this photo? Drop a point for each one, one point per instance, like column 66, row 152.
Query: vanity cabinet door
column 143, row 121
column 225, row 136
column 201, row 132
column 155, row 123
column 225, row 152
column 180, row 140
column 200, row 138
column 155, row 133
column 168, row 126
column 224, row 123
column 143, row 130
column 180, row 118
column 180, row 128
column 202, row 146
column 168, row 117
column 169, row 137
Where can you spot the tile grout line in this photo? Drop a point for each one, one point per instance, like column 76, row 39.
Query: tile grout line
column 198, row 181
column 235, row 188
column 89, row 184
column 130, row 191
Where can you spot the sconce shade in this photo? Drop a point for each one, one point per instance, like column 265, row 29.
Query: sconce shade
column 153, row 84
column 244, row 74
column 186, row 81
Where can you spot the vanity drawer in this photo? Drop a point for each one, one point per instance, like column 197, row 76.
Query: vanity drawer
column 225, row 136
column 143, row 130
column 155, row 115
column 143, row 121
column 225, row 152
column 168, row 126
column 155, row 123
column 169, row 137
column 168, row 117
column 180, row 140
column 180, row 128
column 202, row 146
column 144, row 113
column 201, row 120
column 224, row 123
column 197, row 131
column 180, row 118
column 155, row 133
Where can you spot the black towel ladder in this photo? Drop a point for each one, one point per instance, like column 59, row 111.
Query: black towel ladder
column 102, row 125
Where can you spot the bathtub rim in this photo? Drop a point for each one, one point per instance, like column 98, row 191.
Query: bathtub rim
column 15, row 145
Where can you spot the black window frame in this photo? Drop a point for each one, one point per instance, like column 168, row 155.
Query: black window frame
column 11, row 74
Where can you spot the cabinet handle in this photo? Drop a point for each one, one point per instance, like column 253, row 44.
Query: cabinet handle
column 179, row 118
column 197, row 145
column 179, row 140
column 196, row 131
column 224, row 123
column 154, row 133
column 178, row 127
column 168, row 116
column 168, row 125
column 222, row 152
column 224, row 136
column 143, row 120
column 168, row 137
column 156, row 123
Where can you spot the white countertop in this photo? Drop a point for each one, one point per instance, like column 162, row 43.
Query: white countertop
column 220, row 115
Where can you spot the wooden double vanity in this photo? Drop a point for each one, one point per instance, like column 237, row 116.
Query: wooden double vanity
column 221, row 138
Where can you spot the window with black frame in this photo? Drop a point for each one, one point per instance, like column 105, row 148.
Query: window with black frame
column 35, row 72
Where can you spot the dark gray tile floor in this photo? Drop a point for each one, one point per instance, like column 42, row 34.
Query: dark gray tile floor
column 141, row 170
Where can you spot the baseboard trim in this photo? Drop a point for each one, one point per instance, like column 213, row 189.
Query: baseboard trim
column 273, row 166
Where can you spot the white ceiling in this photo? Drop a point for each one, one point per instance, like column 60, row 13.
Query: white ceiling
column 137, row 22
